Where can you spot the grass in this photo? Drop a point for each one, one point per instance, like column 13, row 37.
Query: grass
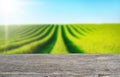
column 61, row 39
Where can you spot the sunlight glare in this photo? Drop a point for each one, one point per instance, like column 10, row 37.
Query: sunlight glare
column 7, row 6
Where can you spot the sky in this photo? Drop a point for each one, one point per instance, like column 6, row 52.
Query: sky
column 62, row 11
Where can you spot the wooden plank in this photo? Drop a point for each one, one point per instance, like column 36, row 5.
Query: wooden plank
column 59, row 65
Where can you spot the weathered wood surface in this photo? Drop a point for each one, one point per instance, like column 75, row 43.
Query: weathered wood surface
column 59, row 65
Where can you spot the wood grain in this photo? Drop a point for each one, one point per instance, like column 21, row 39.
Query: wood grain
column 59, row 65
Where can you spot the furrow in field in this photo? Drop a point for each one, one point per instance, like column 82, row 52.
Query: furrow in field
column 18, row 31
column 47, row 46
column 31, row 31
column 13, row 33
column 70, row 41
column 88, row 28
column 60, row 47
column 25, row 28
column 71, row 32
column 30, row 48
column 78, row 31
column 21, row 43
column 27, row 31
column 81, row 28
column 37, row 33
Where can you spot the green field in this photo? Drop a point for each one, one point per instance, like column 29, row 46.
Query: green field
column 60, row 39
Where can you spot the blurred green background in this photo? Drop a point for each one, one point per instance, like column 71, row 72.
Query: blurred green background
column 60, row 39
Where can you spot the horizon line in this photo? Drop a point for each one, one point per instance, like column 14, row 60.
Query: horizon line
column 56, row 23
